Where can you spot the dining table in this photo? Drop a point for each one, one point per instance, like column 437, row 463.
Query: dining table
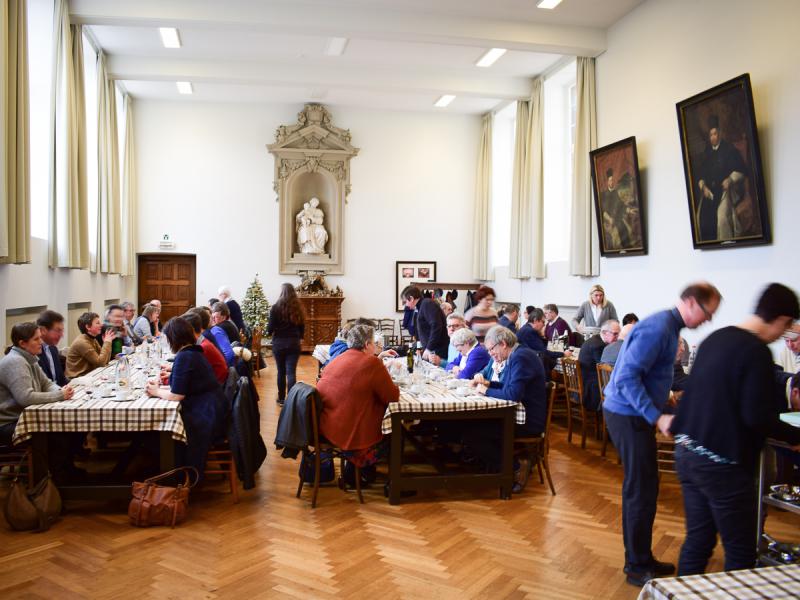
column 98, row 406
column 766, row 583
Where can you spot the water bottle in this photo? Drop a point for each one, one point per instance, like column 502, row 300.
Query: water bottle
column 122, row 376
column 410, row 358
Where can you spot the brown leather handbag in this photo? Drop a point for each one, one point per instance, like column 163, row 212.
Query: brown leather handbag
column 154, row 504
column 36, row 509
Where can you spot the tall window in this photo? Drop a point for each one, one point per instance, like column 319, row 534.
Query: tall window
column 560, row 105
column 90, row 89
column 40, row 75
column 503, row 136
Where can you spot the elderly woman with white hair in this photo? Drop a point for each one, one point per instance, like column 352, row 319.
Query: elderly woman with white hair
column 523, row 381
column 472, row 357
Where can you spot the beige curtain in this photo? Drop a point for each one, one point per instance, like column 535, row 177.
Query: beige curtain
column 481, row 269
column 584, row 258
column 15, row 203
column 526, row 258
column 108, row 256
column 129, row 197
column 69, row 227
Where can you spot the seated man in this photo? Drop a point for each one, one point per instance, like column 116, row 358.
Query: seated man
column 509, row 315
column 454, row 322
column 554, row 323
column 531, row 335
column 611, row 351
column 523, row 381
column 591, row 353
column 339, row 345
column 473, row 357
column 790, row 357
column 114, row 321
column 355, row 390
column 51, row 326
column 221, row 317
column 128, row 319
column 679, row 376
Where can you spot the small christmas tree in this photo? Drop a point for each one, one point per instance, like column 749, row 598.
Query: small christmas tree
column 255, row 307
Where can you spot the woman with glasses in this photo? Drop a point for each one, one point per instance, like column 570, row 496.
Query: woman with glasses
column 472, row 357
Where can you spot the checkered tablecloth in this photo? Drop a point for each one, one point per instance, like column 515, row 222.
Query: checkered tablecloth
column 87, row 411
column 322, row 353
column 770, row 583
column 438, row 399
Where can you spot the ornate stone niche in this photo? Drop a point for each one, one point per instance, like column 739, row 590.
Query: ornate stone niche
column 312, row 161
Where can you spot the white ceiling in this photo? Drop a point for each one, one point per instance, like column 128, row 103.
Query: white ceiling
column 401, row 54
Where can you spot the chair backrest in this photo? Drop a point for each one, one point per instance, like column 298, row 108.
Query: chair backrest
column 255, row 343
column 572, row 376
column 386, row 326
column 603, row 375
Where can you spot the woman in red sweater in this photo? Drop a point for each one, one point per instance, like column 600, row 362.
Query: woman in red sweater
column 355, row 390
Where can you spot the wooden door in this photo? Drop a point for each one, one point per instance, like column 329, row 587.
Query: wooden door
column 169, row 278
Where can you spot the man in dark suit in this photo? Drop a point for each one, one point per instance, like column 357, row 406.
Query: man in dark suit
column 51, row 325
column 429, row 321
column 509, row 317
column 591, row 353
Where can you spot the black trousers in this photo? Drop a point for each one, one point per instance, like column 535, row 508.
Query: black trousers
column 716, row 498
column 286, row 353
column 635, row 441
column 485, row 439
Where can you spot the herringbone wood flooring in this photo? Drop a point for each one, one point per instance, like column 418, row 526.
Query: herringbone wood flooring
column 271, row 545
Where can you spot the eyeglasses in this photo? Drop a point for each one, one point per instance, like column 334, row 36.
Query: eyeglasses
column 489, row 349
column 708, row 315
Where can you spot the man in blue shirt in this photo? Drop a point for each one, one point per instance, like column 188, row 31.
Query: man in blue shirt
column 635, row 398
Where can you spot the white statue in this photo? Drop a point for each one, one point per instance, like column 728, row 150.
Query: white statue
column 311, row 234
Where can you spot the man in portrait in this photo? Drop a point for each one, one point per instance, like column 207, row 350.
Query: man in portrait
column 616, row 232
column 721, row 174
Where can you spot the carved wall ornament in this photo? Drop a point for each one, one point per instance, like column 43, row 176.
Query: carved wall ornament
column 312, row 161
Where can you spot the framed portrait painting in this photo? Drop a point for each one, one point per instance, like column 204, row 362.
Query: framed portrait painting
column 408, row 271
column 618, row 200
column 722, row 167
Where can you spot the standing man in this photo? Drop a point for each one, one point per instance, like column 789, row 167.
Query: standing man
column 224, row 295
column 431, row 325
column 51, row 325
column 722, row 421
column 635, row 399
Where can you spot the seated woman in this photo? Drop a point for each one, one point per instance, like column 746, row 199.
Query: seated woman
column 210, row 351
column 22, row 381
column 595, row 311
column 142, row 326
column 192, row 383
column 85, row 354
column 355, row 390
column 472, row 358
column 481, row 317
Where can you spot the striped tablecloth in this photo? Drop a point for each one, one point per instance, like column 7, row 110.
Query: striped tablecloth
column 771, row 583
column 438, row 399
column 87, row 411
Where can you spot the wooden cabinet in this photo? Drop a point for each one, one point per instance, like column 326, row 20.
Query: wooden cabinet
column 323, row 319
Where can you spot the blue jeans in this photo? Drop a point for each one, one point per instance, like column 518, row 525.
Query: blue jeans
column 717, row 498
column 286, row 353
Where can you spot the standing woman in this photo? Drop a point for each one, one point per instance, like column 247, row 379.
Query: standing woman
column 482, row 317
column 286, row 326
column 595, row 311
column 86, row 354
column 192, row 383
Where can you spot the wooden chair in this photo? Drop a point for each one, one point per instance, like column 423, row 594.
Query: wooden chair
column 603, row 375
column 220, row 462
column 386, row 329
column 665, row 454
column 19, row 461
column 311, row 456
column 405, row 335
column 536, row 449
column 573, row 383
column 256, row 362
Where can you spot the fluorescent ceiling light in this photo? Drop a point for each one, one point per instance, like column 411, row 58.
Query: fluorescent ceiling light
column 184, row 87
column 169, row 37
column 444, row 100
column 335, row 46
column 548, row 3
column 488, row 59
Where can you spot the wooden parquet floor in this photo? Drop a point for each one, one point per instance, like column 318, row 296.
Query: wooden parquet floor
column 272, row 545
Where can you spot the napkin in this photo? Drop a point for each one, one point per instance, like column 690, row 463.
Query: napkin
column 792, row 418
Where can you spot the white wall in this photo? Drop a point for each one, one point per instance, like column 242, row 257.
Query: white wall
column 35, row 284
column 661, row 53
column 205, row 178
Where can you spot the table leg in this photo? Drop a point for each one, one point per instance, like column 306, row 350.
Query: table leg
column 166, row 451
column 395, row 459
column 40, row 464
column 507, row 470
column 762, row 475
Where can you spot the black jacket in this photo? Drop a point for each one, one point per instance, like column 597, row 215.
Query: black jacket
column 58, row 377
column 244, row 435
column 294, row 430
column 590, row 354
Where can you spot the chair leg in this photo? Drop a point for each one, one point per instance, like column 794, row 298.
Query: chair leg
column 317, row 468
column 547, row 472
column 539, row 468
column 358, row 485
column 583, row 428
column 569, row 420
column 234, row 481
column 605, row 436
column 29, row 462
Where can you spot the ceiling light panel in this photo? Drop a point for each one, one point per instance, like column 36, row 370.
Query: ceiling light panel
column 550, row 4
column 184, row 87
column 444, row 100
column 488, row 59
column 335, row 46
column 170, row 37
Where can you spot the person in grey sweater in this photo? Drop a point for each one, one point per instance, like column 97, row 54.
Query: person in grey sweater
column 22, row 381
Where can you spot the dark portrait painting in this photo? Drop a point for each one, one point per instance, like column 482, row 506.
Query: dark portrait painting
column 617, row 199
column 722, row 166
